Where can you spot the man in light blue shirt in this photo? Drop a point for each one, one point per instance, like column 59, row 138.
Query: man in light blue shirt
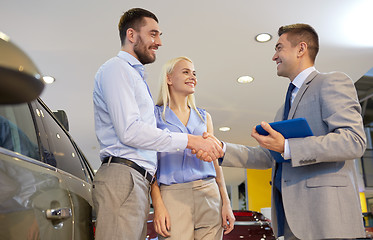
column 126, row 130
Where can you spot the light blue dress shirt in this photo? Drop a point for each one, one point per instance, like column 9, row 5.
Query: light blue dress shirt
column 124, row 115
column 182, row 167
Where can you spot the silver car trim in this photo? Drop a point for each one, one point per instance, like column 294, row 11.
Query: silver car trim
column 19, row 156
column 251, row 223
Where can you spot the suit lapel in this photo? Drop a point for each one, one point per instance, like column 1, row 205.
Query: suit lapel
column 300, row 93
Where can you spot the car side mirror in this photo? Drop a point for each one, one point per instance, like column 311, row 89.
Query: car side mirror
column 62, row 118
column 20, row 80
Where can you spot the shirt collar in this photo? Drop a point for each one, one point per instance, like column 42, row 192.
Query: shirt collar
column 136, row 64
column 193, row 121
column 298, row 80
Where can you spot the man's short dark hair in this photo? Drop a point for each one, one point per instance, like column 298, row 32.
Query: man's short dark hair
column 133, row 18
column 302, row 33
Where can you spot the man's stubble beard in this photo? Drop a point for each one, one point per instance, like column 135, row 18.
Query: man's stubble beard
column 141, row 52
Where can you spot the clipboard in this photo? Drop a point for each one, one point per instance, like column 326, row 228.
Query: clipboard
column 292, row 128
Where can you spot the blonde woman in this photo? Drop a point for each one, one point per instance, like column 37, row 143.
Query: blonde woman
column 189, row 197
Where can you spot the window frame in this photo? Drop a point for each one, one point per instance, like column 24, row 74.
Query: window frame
column 87, row 169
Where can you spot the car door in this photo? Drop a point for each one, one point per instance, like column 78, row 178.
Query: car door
column 74, row 169
column 35, row 202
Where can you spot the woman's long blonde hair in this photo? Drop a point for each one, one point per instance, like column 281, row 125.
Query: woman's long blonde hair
column 164, row 93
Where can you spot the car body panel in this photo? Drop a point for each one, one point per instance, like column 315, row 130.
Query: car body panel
column 45, row 180
column 27, row 191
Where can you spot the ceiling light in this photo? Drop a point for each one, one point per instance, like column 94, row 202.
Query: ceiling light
column 224, row 129
column 263, row 37
column 4, row 36
column 245, row 79
column 49, row 79
column 358, row 20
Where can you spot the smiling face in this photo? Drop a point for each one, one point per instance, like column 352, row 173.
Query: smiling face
column 182, row 80
column 147, row 41
column 286, row 58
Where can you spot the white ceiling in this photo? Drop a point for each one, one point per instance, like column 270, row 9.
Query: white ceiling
column 70, row 39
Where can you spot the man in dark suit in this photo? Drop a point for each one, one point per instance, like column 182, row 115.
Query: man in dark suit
column 315, row 194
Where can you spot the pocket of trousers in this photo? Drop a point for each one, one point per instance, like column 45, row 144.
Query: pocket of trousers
column 113, row 190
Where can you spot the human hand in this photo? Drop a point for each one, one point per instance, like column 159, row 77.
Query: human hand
column 274, row 141
column 208, row 135
column 209, row 147
column 228, row 218
column 201, row 154
column 161, row 221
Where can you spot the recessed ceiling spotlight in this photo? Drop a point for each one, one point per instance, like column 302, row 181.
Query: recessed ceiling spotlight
column 48, row 79
column 245, row 79
column 263, row 37
column 224, row 129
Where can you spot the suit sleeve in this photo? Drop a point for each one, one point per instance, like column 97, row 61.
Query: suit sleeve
column 246, row 157
column 340, row 113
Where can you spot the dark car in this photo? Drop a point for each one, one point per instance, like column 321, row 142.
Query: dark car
column 45, row 180
column 249, row 225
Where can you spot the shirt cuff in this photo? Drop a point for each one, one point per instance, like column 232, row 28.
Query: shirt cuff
column 224, row 146
column 179, row 141
column 287, row 154
column 220, row 160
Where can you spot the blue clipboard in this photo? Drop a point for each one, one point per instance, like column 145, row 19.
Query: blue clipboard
column 292, row 128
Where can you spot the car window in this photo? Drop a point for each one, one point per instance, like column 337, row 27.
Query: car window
column 17, row 130
column 62, row 148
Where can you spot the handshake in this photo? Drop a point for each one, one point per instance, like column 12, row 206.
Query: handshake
column 206, row 147
column 209, row 148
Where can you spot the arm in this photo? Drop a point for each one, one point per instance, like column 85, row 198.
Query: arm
column 333, row 113
column 161, row 221
column 226, row 211
column 228, row 218
column 124, row 101
column 339, row 132
column 119, row 89
column 241, row 156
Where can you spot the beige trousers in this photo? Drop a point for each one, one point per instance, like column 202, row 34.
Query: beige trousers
column 195, row 210
column 121, row 200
